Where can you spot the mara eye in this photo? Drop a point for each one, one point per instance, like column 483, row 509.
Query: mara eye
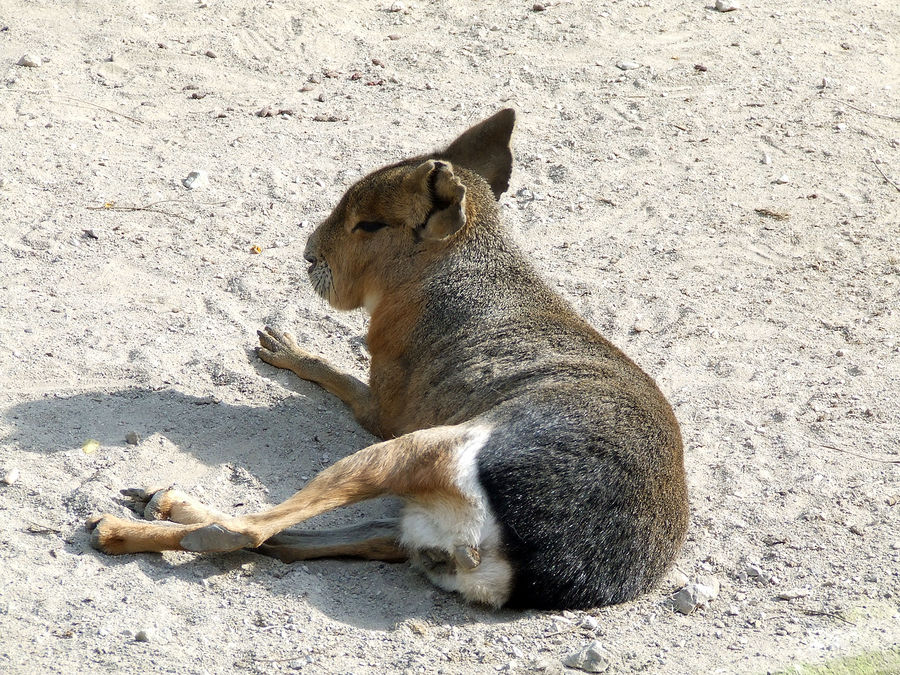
column 369, row 226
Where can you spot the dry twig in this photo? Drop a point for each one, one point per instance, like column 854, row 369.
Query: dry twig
column 833, row 615
column 109, row 206
column 249, row 661
column 109, row 110
column 883, row 460
column 892, row 118
column 883, row 174
column 769, row 213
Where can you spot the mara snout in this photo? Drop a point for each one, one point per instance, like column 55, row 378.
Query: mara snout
column 538, row 465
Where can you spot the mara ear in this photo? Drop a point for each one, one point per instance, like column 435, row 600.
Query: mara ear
column 485, row 150
column 442, row 197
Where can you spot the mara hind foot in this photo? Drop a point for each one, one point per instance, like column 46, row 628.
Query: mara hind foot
column 118, row 536
column 169, row 508
column 172, row 504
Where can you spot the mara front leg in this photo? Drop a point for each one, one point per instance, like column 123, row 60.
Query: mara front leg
column 282, row 351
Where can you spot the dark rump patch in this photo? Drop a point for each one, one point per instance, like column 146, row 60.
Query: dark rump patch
column 586, row 521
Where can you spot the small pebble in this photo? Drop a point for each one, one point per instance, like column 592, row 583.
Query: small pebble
column 627, row 65
column 592, row 659
column 767, row 159
column 857, row 530
column 675, row 580
column 143, row 636
column 11, row 476
column 196, row 179
column 757, row 573
column 398, row 7
column 321, row 97
column 727, row 5
column 590, row 623
column 132, row 438
column 538, row 7
column 29, row 61
column 211, row 54
column 793, row 594
column 783, row 179
column 696, row 594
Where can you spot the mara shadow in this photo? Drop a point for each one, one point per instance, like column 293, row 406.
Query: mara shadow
column 272, row 447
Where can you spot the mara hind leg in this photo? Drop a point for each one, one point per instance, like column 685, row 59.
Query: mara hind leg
column 373, row 540
column 421, row 466
column 428, row 522
column 447, row 528
column 282, row 351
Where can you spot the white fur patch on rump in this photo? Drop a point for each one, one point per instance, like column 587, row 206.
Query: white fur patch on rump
column 445, row 524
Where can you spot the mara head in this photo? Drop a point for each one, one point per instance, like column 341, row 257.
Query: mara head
column 390, row 224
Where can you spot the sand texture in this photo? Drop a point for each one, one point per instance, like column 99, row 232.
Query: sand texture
column 716, row 192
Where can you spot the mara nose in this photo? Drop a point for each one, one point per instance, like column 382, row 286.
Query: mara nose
column 309, row 257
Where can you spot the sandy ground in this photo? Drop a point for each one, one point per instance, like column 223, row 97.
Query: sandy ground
column 723, row 211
